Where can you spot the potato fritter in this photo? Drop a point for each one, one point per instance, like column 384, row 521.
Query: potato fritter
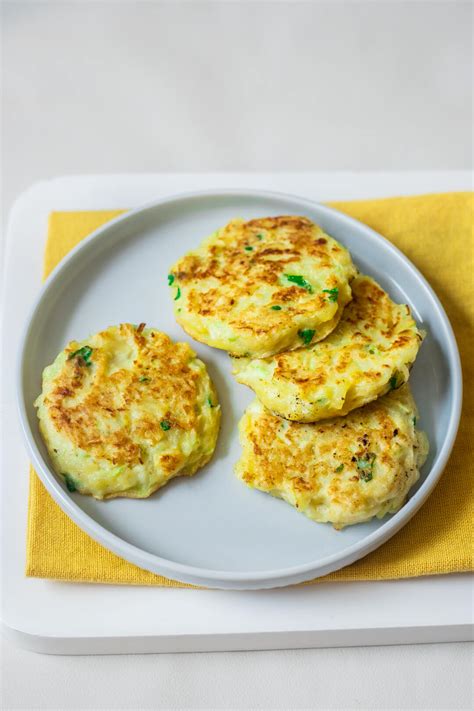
column 345, row 470
column 126, row 410
column 369, row 353
column 263, row 286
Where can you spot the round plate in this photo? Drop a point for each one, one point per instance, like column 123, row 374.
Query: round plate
column 211, row 529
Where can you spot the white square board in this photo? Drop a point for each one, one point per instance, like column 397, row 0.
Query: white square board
column 65, row 618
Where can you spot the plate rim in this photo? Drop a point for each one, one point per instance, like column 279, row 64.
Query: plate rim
column 240, row 579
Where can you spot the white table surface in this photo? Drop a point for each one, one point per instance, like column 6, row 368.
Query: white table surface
column 122, row 86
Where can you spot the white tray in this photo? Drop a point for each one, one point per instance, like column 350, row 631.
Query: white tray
column 83, row 619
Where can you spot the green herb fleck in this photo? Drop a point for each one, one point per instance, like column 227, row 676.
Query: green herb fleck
column 85, row 353
column 144, row 379
column 275, row 307
column 248, row 248
column 259, row 236
column 414, row 421
column 299, row 281
column 178, row 294
column 371, row 351
column 210, row 402
column 393, row 382
column 333, row 293
column 339, row 469
column 165, row 425
column 70, row 483
column 366, row 466
column 306, row 335
column 170, row 279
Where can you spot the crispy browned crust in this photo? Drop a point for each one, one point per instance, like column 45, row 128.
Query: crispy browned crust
column 240, row 262
column 344, row 470
column 369, row 352
column 92, row 407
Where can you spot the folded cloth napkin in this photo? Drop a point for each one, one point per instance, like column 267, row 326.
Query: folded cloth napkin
column 435, row 232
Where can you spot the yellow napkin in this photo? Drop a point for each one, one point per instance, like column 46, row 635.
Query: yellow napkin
column 435, row 232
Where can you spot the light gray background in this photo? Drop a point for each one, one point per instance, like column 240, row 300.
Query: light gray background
column 152, row 86
column 136, row 86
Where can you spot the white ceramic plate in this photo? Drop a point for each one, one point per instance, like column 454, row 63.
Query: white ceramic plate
column 211, row 529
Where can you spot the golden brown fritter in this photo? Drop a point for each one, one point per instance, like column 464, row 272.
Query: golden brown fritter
column 345, row 470
column 262, row 286
column 369, row 353
column 125, row 411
